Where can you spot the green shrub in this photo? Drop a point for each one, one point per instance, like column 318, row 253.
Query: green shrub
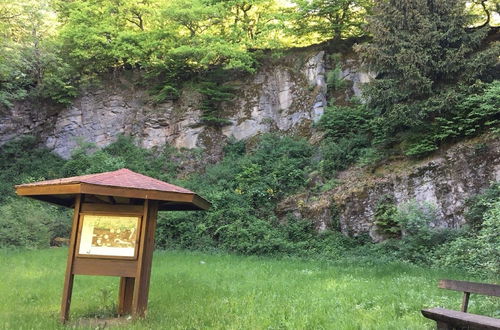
column 339, row 154
column 347, row 138
column 234, row 148
column 420, row 237
column 341, row 121
column 244, row 190
column 334, row 79
column 158, row 162
column 414, row 222
column 28, row 223
column 415, row 218
column 385, row 217
column 87, row 159
column 215, row 94
column 471, row 111
column 478, row 205
column 23, row 160
column 476, row 253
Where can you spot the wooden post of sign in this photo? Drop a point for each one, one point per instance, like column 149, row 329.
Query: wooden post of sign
column 133, row 296
column 145, row 260
column 68, row 280
column 125, row 295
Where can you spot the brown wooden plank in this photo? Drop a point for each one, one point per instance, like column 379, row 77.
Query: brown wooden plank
column 113, row 209
column 177, row 206
column 137, row 308
column 103, row 199
column 187, row 201
column 68, row 279
column 106, row 267
column 480, row 288
column 135, row 193
column 146, row 247
column 60, row 200
column 148, row 254
column 125, row 295
column 465, row 302
column 201, row 203
column 73, row 188
column 457, row 318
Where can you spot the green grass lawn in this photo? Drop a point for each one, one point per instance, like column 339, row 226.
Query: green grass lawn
column 197, row 291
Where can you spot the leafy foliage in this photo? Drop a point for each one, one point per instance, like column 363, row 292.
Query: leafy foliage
column 413, row 222
column 476, row 253
column 330, row 19
column 478, row 205
column 347, row 137
column 385, row 217
column 473, row 111
column 30, row 58
column 28, row 223
column 23, row 160
column 215, row 94
column 244, row 190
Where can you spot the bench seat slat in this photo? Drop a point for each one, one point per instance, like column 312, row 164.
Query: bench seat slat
column 473, row 321
column 481, row 288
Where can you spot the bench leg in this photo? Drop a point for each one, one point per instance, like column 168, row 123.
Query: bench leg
column 443, row 326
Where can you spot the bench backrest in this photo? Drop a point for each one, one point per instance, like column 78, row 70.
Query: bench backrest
column 471, row 287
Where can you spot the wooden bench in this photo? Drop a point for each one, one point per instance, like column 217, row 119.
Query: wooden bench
column 449, row 319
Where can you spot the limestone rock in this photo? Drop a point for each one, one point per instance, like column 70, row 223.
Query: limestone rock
column 445, row 180
column 287, row 95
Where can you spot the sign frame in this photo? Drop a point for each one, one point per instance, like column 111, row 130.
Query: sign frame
column 81, row 222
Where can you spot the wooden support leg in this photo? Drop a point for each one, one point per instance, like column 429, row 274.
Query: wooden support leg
column 141, row 288
column 66, row 297
column 443, row 326
column 125, row 295
column 465, row 302
column 68, row 280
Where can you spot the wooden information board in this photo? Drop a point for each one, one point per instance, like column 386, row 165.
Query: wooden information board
column 113, row 240
column 113, row 228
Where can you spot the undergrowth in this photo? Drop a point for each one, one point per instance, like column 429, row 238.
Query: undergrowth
column 244, row 189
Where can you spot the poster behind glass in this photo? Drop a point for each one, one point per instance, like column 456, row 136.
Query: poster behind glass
column 105, row 235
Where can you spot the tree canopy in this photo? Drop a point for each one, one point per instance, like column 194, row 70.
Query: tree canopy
column 427, row 55
column 49, row 47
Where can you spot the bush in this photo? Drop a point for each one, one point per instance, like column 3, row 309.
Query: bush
column 244, row 190
column 215, row 94
column 472, row 111
column 479, row 252
column 478, row 205
column 342, row 121
column 28, row 223
column 419, row 239
column 346, row 138
column 23, row 160
column 87, row 159
column 385, row 217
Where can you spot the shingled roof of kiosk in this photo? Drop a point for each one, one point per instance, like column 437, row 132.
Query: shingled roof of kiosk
column 117, row 187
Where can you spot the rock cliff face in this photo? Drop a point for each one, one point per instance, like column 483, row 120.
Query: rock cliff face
column 285, row 95
column 445, row 180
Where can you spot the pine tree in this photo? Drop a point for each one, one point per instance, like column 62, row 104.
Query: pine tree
column 420, row 48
